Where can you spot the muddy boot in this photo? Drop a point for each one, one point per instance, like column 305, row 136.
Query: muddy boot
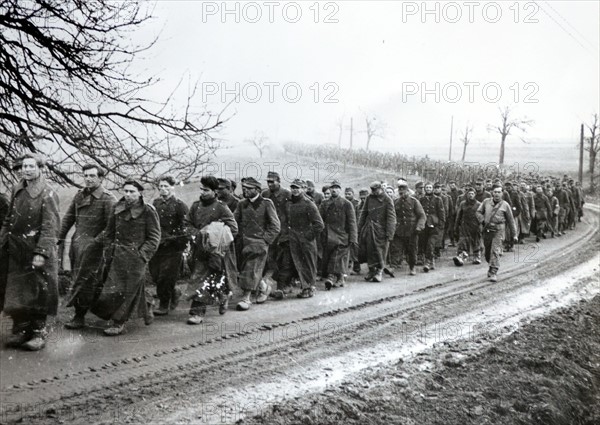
column 413, row 271
column 370, row 275
column 341, row 281
column 477, row 259
column 224, row 302
column 78, row 321
column 356, row 268
column 460, row 259
column 175, row 299
column 264, row 289
column 245, row 302
column 163, row 309
column 329, row 282
column 378, row 277
column 37, row 342
column 149, row 317
column 197, row 312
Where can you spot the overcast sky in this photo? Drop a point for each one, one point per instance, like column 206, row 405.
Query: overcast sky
column 376, row 58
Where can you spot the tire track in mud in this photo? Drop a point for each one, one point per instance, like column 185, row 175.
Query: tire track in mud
column 90, row 394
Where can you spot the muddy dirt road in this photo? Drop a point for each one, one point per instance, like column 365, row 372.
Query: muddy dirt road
column 240, row 365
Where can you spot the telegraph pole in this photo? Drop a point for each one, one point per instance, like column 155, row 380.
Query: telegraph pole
column 451, row 131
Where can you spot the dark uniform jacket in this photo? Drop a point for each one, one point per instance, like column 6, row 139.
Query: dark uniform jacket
column 434, row 210
column 280, row 198
column 480, row 196
column 258, row 221
column 172, row 213
column 410, row 217
column 379, row 211
column 339, row 217
column 89, row 212
column 543, row 209
column 466, row 217
column 231, row 201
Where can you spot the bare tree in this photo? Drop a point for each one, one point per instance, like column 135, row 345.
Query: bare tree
column 259, row 141
column 67, row 91
column 374, row 128
column 466, row 139
column 593, row 147
column 508, row 124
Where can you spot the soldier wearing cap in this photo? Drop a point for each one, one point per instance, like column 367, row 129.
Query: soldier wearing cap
column 259, row 227
column 166, row 263
column 467, row 230
column 419, row 189
column 225, row 195
column 528, row 210
column 89, row 212
column 376, row 227
column 339, row 235
column 433, row 206
column 494, row 214
column 213, row 273
column 279, row 259
column 304, row 226
column 315, row 196
column 133, row 236
column 480, row 192
column 410, row 220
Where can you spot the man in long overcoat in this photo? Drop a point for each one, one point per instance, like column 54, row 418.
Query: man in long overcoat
column 258, row 226
column 467, row 230
column 376, row 228
column 305, row 226
column 28, row 249
column 212, row 273
column 89, row 212
column 410, row 220
column 280, row 257
column 543, row 213
column 435, row 222
column 132, row 237
column 165, row 265
column 339, row 235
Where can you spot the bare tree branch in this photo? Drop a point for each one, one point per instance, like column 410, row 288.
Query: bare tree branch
column 66, row 91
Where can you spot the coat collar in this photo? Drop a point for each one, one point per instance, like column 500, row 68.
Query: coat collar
column 162, row 200
column 136, row 210
column 33, row 187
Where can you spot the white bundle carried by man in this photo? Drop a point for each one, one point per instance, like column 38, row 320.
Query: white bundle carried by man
column 216, row 238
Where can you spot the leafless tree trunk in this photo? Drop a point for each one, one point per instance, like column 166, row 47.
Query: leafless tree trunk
column 593, row 147
column 507, row 125
column 374, row 128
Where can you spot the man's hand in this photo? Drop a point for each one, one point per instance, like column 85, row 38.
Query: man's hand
column 515, row 239
column 38, row 261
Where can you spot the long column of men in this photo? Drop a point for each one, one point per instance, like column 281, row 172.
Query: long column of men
column 274, row 243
